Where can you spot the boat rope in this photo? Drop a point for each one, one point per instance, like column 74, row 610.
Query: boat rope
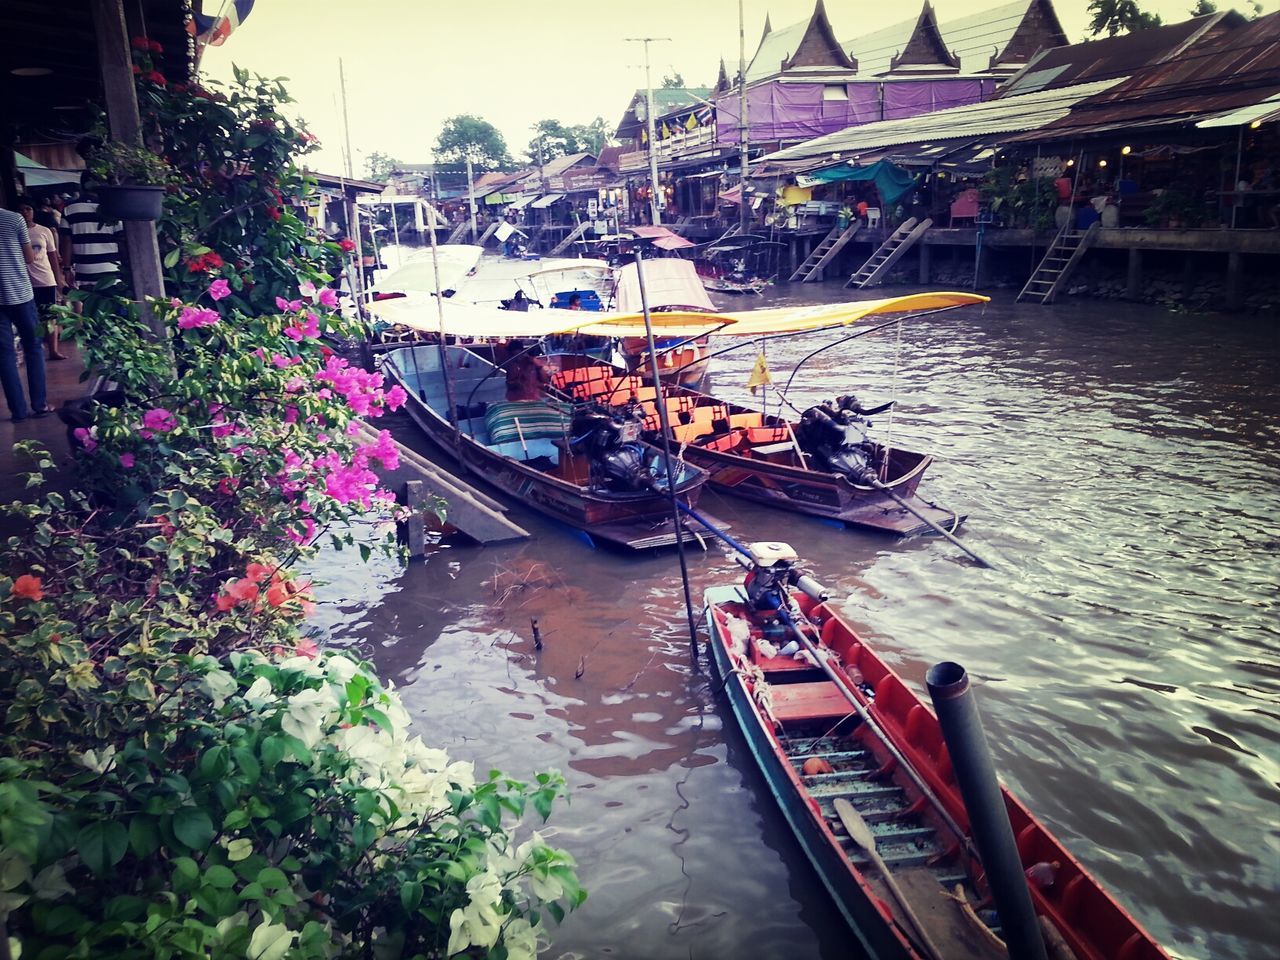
column 955, row 517
column 893, row 397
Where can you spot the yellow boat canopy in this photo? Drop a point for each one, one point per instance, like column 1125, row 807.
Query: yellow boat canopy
column 470, row 320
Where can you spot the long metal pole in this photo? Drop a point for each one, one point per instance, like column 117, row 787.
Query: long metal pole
column 666, row 459
column 346, row 125
column 1235, row 187
column 743, row 212
column 655, row 211
column 432, row 218
column 471, row 197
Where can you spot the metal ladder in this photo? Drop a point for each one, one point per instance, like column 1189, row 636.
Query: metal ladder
column 1059, row 260
column 563, row 245
column 872, row 272
column 824, row 253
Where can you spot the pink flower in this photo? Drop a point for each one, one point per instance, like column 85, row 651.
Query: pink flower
column 157, row 420
column 175, row 302
column 282, row 361
column 307, row 288
column 290, row 414
column 126, row 460
column 85, row 439
column 396, row 397
column 328, row 296
column 219, row 289
column 308, row 531
column 294, row 384
column 197, row 317
column 308, row 328
column 291, row 306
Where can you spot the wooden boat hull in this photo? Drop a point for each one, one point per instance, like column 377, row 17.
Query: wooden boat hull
column 806, row 716
column 639, row 520
column 740, row 463
column 827, row 495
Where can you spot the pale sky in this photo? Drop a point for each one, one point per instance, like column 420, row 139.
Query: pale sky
column 412, row 63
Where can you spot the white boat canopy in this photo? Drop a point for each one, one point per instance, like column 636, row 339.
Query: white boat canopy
column 418, row 273
column 469, row 320
column 668, row 282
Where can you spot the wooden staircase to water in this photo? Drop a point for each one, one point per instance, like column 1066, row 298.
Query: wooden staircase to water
column 872, row 272
column 484, row 237
column 1059, row 261
column 576, row 233
column 458, row 232
column 824, row 253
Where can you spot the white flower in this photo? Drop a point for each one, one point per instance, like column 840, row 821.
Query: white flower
column 98, row 762
column 270, row 941
column 238, row 849
column 521, row 939
column 479, row 923
column 259, row 693
column 218, row 685
column 227, row 924
column 308, row 666
column 369, row 747
column 307, row 712
column 340, row 669
column 545, row 886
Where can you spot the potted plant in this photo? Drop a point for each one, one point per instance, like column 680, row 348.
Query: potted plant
column 130, row 181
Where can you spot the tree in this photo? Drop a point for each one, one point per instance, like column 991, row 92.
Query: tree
column 592, row 137
column 378, row 166
column 1203, row 7
column 1119, row 16
column 468, row 135
column 673, row 82
column 555, row 140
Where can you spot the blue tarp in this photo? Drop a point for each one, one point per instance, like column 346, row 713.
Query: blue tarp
column 891, row 180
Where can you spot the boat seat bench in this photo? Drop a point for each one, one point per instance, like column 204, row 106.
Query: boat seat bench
column 795, row 702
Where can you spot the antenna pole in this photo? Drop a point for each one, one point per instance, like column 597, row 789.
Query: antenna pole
column 742, row 122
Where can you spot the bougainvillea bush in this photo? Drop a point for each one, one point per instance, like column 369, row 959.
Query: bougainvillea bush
column 183, row 773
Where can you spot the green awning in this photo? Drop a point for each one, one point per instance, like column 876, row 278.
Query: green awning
column 890, row 180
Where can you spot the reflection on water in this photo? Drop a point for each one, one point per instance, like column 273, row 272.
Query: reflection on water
column 1120, row 465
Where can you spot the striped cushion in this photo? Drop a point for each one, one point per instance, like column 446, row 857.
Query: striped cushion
column 537, row 420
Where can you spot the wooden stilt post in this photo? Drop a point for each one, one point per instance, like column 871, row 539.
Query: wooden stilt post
column 415, row 529
column 116, row 65
column 1133, row 289
column 1235, row 281
column 924, row 264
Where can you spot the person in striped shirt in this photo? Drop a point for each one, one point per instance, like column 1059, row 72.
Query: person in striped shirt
column 95, row 246
column 18, row 311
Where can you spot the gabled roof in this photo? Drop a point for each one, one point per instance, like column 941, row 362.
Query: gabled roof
column 1117, row 56
column 722, row 80
column 925, row 52
column 1003, row 36
column 809, row 45
column 558, row 165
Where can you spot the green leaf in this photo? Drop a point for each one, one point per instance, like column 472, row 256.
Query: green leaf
column 410, row 895
column 272, row 750
column 192, row 826
column 247, row 764
column 272, row 878
column 185, row 868
column 214, row 763
column 171, row 258
column 102, row 845
column 144, row 835
column 219, row 877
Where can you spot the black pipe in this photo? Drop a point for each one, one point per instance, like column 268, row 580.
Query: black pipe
column 988, row 819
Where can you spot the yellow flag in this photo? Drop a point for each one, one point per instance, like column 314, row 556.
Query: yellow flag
column 691, row 123
column 759, row 374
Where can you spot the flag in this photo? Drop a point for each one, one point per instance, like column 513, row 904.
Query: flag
column 759, row 374
column 213, row 31
column 666, row 131
column 692, row 122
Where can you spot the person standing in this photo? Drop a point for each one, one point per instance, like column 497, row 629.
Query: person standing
column 18, row 310
column 46, row 274
column 95, row 250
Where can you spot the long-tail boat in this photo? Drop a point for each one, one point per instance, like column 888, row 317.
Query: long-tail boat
column 837, row 770
column 595, row 477
column 760, row 457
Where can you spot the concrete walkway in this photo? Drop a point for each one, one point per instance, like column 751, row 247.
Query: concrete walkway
column 63, row 378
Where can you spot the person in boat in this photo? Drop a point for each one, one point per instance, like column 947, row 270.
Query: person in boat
column 519, row 302
column 575, row 302
column 526, row 372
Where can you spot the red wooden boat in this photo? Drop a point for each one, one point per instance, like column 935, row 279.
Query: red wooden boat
column 750, row 455
column 816, row 751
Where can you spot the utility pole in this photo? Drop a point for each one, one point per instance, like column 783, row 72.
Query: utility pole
column 471, row 196
column 655, row 208
column 742, row 122
column 346, row 123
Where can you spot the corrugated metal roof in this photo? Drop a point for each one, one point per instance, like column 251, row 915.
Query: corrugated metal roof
column 1027, row 112
column 1228, row 69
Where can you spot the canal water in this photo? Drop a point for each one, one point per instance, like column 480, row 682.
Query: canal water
column 1120, row 466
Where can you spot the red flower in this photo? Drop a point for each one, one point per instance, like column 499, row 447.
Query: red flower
column 28, row 587
column 137, row 70
column 140, row 43
column 156, row 77
column 347, row 244
column 178, row 87
column 257, row 572
column 273, row 213
column 205, row 262
column 155, row 47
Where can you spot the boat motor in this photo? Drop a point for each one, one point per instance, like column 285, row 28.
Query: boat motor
column 771, row 571
column 834, row 436
column 609, row 437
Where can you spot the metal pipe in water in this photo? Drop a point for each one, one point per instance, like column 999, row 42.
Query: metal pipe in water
column 988, row 819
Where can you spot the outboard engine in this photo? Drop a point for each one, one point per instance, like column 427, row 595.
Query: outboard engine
column 834, row 436
column 772, row 571
column 609, row 437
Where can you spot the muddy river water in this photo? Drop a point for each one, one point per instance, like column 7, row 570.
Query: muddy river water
column 1121, row 467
